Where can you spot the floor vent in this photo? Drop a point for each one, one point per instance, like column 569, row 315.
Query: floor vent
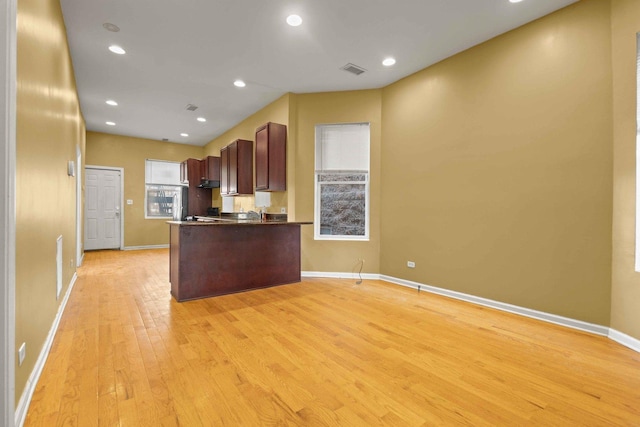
column 353, row 69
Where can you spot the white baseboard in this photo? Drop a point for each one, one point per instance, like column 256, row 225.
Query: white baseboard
column 30, row 387
column 624, row 339
column 619, row 337
column 354, row 276
column 535, row 314
column 137, row 248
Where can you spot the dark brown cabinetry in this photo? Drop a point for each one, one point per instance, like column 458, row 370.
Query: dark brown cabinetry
column 236, row 168
column 192, row 171
column 199, row 199
column 211, row 172
column 271, row 157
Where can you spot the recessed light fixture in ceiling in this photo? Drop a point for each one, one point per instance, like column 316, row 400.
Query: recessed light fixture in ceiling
column 110, row 123
column 111, row 27
column 111, row 102
column 294, row 20
column 117, row 49
column 239, row 83
column 184, row 134
column 388, row 62
column 201, row 119
column 515, row 1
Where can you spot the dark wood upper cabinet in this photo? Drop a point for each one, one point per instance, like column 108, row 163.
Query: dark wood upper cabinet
column 271, row 157
column 199, row 199
column 236, row 168
column 211, row 172
column 191, row 171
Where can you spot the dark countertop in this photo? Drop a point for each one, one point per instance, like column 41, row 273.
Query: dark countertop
column 219, row 222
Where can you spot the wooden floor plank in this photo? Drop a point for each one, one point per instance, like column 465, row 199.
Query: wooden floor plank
column 323, row 352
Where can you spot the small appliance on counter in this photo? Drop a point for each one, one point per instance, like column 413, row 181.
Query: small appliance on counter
column 213, row 211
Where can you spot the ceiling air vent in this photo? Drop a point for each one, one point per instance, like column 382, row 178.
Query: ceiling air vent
column 353, row 69
column 192, row 107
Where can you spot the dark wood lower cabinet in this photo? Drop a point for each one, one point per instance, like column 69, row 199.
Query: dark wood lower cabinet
column 217, row 259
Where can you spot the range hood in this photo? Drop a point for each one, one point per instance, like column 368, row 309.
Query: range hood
column 206, row 183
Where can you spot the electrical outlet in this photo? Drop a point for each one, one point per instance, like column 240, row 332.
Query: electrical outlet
column 22, row 353
column 411, row 264
column 129, row 201
column 71, row 263
column 283, row 210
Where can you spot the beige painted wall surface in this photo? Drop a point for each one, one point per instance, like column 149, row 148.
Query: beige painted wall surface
column 49, row 129
column 130, row 153
column 625, row 294
column 277, row 112
column 500, row 159
column 336, row 107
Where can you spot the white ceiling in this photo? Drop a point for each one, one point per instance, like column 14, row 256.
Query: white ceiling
column 183, row 52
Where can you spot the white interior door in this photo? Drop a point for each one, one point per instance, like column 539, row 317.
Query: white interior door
column 102, row 209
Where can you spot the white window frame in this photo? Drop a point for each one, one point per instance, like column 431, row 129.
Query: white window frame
column 171, row 184
column 637, row 254
column 318, row 188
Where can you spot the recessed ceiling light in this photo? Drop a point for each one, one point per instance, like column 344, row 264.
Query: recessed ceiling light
column 294, row 20
column 111, row 27
column 515, row 1
column 184, row 134
column 239, row 83
column 201, row 119
column 388, row 62
column 111, row 102
column 110, row 123
column 117, row 49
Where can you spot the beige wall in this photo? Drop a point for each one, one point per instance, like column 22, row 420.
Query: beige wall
column 625, row 292
column 336, row 107
column 301, row 113
column 130, row 154
column 497, row 168
column 493, row 170
column 49, row 130
column 277, row 112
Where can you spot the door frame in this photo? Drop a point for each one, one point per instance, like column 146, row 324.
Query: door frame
column 121, row 170
column 8, row 76
column 79, row 209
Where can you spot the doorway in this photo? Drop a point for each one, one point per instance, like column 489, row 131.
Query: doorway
column 103, row 222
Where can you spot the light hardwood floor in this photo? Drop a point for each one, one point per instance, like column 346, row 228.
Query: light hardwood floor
column 321, row 352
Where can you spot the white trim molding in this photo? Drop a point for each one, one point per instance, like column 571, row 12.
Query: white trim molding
column 137, row 248
column 30, row 387
column 535, row 314
column 8, row 77
column 580, row 325
column 624, row 339
column 344, row 275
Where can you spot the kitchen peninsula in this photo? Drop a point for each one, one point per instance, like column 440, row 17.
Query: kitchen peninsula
column 217, row 257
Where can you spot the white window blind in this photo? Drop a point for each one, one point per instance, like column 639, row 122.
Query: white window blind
column 162, row 183
column 343, row 147
column 342, row 182
column 162, row 172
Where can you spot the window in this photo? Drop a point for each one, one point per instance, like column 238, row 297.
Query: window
column 162, row 183
column 342, row 182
